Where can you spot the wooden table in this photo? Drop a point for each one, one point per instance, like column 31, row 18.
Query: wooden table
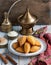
column 18, row 59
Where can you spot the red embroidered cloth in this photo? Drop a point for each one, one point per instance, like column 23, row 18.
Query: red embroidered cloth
column 45, row 57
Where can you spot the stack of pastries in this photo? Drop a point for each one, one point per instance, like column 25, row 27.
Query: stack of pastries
column 26, row 44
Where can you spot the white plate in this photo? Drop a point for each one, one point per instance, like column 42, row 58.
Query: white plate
column 4, row 43
column 42, row 49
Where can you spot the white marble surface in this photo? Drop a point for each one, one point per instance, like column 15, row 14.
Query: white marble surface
column 18, row 59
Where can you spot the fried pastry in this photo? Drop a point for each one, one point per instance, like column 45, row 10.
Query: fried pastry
column 22, row 40
column 20, row 49
column 26, row 47
column 26, row 44
column 15, row 45
column 34, row 48
column 31, row 40
column 37, row 43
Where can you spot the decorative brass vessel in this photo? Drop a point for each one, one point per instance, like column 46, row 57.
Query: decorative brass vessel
column 27, row 21
column 6, row 26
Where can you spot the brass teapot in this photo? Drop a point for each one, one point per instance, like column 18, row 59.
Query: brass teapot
column 27, row 21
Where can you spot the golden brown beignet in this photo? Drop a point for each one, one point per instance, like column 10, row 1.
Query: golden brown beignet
column 37, row 43
column 31, row 40
column 26, row 47
column 20, row 49
column 15, row 45
column 22, row 40
column 34, row 48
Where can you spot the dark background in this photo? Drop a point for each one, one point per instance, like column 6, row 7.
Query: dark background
column 40, row 8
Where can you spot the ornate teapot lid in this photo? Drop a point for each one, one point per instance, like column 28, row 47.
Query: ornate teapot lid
column 27, row 18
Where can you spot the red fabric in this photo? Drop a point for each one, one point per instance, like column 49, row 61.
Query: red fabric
column 46, row 56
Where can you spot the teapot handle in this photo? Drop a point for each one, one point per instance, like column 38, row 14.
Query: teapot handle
column 13, row 5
